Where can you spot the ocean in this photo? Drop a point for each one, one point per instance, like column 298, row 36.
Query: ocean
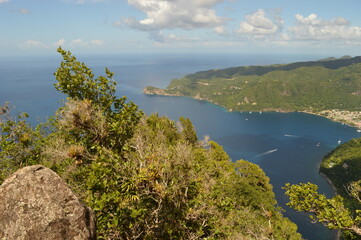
column 287, row 146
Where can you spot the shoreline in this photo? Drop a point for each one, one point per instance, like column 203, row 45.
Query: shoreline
column 329, row 181
column 350, row 118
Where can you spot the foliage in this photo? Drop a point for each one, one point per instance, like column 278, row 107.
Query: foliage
column 18, row 142
column 354, row 190
column 144, row 177
column 331, row 212
column 343, row 167
column 164, row 187
column 77, row 81
column 262, row 70
column 188, row 130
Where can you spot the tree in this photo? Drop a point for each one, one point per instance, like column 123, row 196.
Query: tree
column 188, row 130
column 331, row 212
column 77, row 81
column 19, row 142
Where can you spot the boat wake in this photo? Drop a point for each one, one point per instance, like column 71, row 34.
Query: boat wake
column 289, row 135
column 266, row 153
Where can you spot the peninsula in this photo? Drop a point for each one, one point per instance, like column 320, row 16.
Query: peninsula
column 329, row 87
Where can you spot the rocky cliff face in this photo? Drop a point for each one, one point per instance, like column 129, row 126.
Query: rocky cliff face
column 35, row 203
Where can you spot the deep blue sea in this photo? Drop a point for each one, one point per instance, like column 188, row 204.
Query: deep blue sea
column 287, row 146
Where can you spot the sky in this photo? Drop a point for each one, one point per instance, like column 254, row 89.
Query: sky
column 32, row 27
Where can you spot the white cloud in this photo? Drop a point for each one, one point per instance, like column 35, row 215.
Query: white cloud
column 96, row 42
column 284, row 37
column 168, row 14
column 221, row 30
column 160, row 37
column 81, row 43
column 60, row 42
column 78, row 42
column 314, row 28
column 85, row 1
column 4, row 1
column 258, row 24
column 24, row 11
column 34, row 43
column 157, row 36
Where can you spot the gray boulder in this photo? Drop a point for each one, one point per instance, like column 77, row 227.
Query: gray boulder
column 35, row 203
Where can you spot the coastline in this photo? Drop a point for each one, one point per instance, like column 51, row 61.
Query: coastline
column 329, row 181
column 350, row 118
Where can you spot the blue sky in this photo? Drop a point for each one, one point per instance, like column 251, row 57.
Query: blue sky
column 229, row 26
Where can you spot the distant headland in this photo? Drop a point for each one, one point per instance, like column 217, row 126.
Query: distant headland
column 328, row 87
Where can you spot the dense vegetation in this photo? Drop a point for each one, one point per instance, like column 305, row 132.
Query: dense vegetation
column 329, row 63
column 145, row 177
column 343, row 167
column 303, row 86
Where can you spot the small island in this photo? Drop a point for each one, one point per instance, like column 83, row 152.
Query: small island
column 329, row 87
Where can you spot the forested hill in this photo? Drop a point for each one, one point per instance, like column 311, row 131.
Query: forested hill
column 343, row 167
column 315, row 86
column 330, row 63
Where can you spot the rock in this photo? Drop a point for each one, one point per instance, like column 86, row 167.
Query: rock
column 35, row 203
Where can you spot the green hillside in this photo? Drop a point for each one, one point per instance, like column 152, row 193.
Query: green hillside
column 303, row 86
column 343, row 167
column 329, row 63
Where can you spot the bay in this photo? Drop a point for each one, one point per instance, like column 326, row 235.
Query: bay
column 288, row 146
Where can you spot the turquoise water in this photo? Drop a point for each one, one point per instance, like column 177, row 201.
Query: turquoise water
column 288, row 146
